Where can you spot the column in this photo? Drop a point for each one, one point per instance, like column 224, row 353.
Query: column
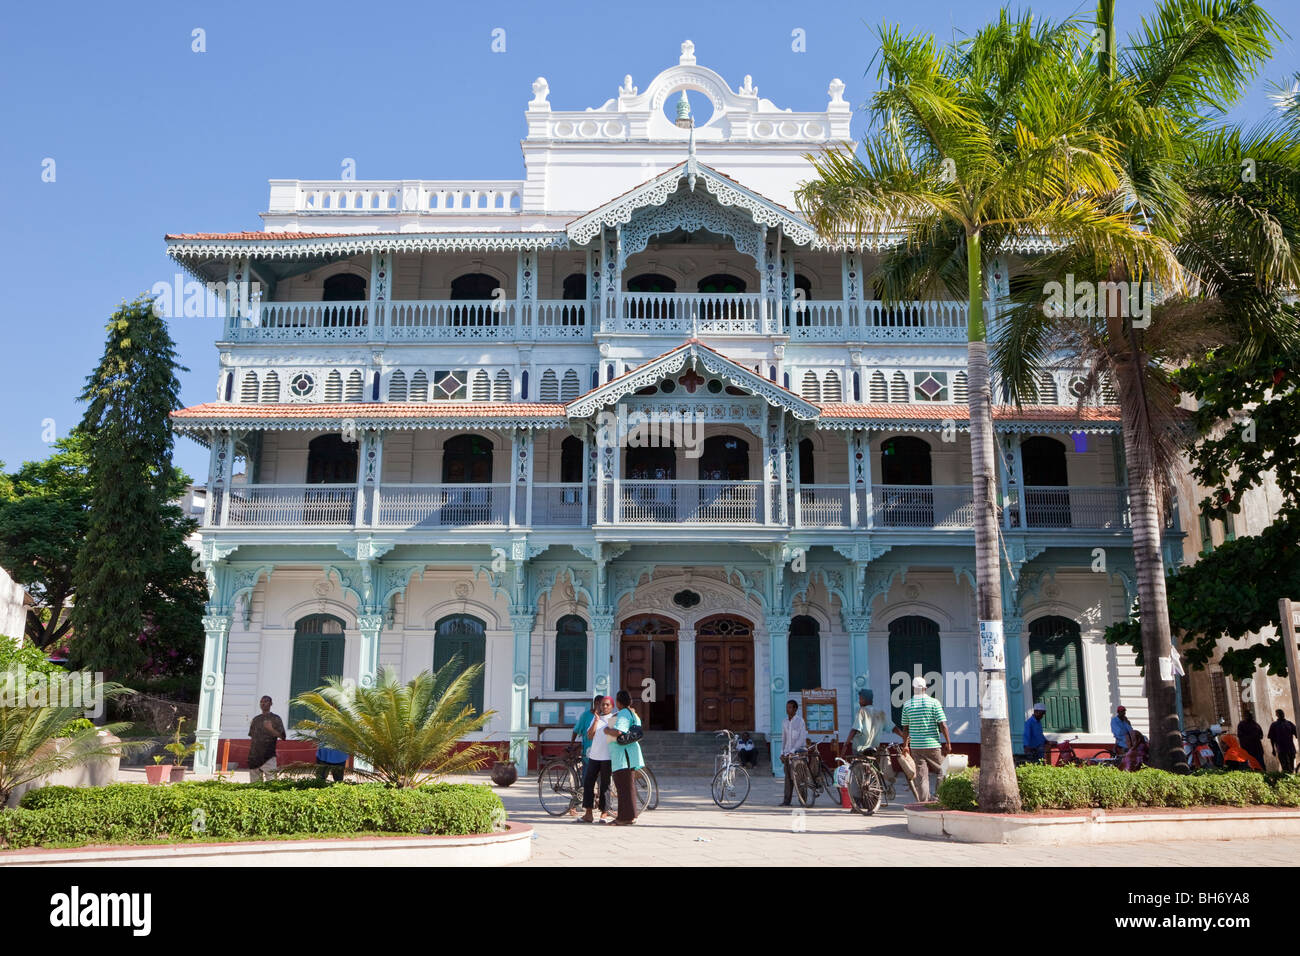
column 766, row 488
column 602, row 629
column 585, row 491
column 216, row 637
column 368, row 474
column 526, row 293
column 512, row 490
column 529, row 466
column 380, row 269
column 1018, row 476
column 850, row 446
column 219, row 463
column 862, row 463
column 778, row 640
column 795, row 478
column 227, row 440
column 1012, row 623
column 858, row 626
column 1002, row 446
column 521, row 622
column 686, row 680
column 616, row 465
column 370, row 624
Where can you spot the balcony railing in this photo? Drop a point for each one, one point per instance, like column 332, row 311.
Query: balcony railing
column 690, row 502
column 658, row 502
column 372, row 196
column 642, row 313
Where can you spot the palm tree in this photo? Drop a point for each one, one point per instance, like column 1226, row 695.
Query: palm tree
column 971, row 149
column 408, row 733
column 1186, row 183
column 39, row 741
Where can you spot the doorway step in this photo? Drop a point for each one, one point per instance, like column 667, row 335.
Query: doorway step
column 671, row 754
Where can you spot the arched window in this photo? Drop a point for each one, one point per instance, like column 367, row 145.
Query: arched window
column 467, row 459
column 725, row 458
column 1046, row 388
column 878, row 390
column 549, row 389
column 344, row 287
column 419, row 387
column 805, row 654
column 1056, row 662
column 647, row 464
column 575, row 286
column 811, row 389
column 355, row 388
column 474, row 286
column 570, row 387
column 270, row 389
column 463, row 636
column 913, row 652
column 960, row 390
column 318, row 644
column 651, row 282
column 1046, row 471
column 803, row 284
column 570, row 654
column 501, row 387
column 831, row 391
column 481, row 390
column 248, row 388
column 720, row 283
column 571, row 460
column 905, row 502
column 898, row 390
column 904, row 460
column 334, row 387
column 802, row 290
column 397, row 387
column 807, row 466
column 331, row 461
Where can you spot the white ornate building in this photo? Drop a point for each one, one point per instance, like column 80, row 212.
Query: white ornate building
column 417, row 395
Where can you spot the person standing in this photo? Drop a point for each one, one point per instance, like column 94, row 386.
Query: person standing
column 794, row 737
column 868, row 725
column 580, row 737
column 1033, row 739
column 624, row 759
column 1120, row 728
column 1282, row 735
column 1251, row 736
column 263, row 733
column 598, row 758
column 923, row 721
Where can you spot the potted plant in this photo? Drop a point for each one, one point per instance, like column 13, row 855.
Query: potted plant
column 504, row 772
column 180, row 751
column 157, row 773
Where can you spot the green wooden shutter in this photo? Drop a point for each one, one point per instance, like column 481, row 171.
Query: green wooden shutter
column 913, row 640
column 317, row 655
column 1055, row 654
column 462, row 635
column 805, row 654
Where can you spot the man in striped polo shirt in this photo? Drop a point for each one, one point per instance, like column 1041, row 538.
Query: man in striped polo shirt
column 923, row 721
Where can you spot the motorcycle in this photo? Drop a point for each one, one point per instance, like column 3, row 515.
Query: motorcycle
column 1200, row 750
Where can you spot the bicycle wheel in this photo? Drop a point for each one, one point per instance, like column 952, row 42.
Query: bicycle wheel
column 890, row 792
column 803, row 785
column 828, row 783
column 558, row 789
column 645, row 790
column 730, row 787
column 865, row 789
column 653, row 802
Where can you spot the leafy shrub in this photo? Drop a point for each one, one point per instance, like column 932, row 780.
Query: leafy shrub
column 139, row 813
column 1083, row 787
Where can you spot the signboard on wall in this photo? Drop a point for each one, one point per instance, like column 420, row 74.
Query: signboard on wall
column 821, row 711
column 556, row 713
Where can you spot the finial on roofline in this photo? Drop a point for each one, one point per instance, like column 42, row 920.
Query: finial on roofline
column 688, row 54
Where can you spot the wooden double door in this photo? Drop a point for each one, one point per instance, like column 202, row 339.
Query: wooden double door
column 724, row 671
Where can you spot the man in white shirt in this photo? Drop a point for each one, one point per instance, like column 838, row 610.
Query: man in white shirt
column 794, row 736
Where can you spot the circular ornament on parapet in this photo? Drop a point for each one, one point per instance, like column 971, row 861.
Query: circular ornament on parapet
column 521, row 681
column 463, row 589
column 322, row 587
column 1052, row 590
column 686, row 599
column 913, row 592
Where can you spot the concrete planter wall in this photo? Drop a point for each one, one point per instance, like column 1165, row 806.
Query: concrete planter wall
column 94, row 773
column 514, row 845
column 1103, row 826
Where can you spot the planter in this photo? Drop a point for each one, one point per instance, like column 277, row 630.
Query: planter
column 158, row 773
column 504, row 773
column 94, row 773
column 178, row 774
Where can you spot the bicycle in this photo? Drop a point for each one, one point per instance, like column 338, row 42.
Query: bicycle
column 730, row 787
column 810, row 776
column 866, row 784
column 647, row 792
column 559, row 782
column 1066, row 756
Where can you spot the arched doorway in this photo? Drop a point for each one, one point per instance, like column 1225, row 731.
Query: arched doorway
column 724, row 458
column 1056, row 668
column 905, row 464
column 805, row 654
column 330, row 461
column 467, row 460
column 724, row 673
column 1047, row 498
column 648, row 669
column 318, row 644
column 913, row 651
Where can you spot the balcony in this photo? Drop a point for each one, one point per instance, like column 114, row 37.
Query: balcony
column 672, row 315
column 658, row 503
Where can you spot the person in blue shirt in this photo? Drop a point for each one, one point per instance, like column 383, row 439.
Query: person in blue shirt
column 1120, row 728
column 625, row 759
column 330, row 761
column 1034, row 740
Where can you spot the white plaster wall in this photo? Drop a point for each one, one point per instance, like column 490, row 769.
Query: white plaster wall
column 13, row 610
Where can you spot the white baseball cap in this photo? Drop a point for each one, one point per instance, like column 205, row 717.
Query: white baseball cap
column 1040, row 706
column 918, row 683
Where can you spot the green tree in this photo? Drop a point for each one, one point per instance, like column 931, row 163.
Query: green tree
column 973, row 149
column 408, row 733
column 129, row 397
column 43, row 518
column 1182, row 182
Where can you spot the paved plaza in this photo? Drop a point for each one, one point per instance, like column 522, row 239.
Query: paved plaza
column 687, row 829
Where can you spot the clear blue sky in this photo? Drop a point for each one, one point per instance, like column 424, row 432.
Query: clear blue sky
column 149, row 137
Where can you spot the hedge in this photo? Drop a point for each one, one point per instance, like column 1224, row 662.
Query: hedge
column 213, row 810
column 1072, row 788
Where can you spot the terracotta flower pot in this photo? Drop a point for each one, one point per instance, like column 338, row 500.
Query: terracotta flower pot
column 504, row 773
column 178, row 774
column 158, row 773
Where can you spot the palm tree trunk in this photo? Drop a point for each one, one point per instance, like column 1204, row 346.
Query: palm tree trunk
column 1144, row 511
column 998, row 790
